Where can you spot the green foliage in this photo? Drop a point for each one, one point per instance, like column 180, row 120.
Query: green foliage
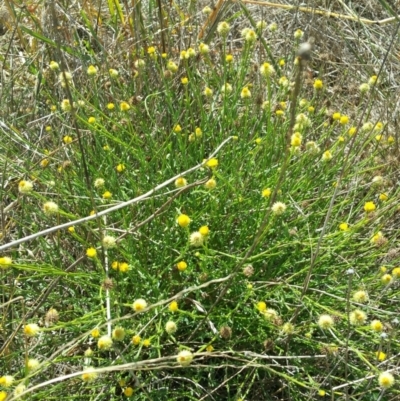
column 112, row 133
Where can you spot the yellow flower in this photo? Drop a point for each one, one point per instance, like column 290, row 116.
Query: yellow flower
column 128, row 391
column 295, row 140
column 180, row 182
column 107, row 195
column 54, row 65
column 383, row 197
column 123, row 267
column 325, row 322
column 381, row 356
column 223, row 28
column 172, row 67
column 184, row 80
column 118, row 333
column 184, row 358
column 298, row 34
column 67, row 139
column 396, row 272
column 344, row 120
column 204, row 231
column 266, row 193
column 89, row 374
column 139, row 305
column 182, row 266
column 32, row 364
column 369, row 207
column 6, row 381
column 386, row 380
column 104, row 343
column 92, row 70
column 120, row 168
column 360, row 296
column 204, row 49
column 91, row 120
column 318, row 84
column 31, row 330
column 151, row 50
column 326, row 156
column 95, row 333
column 386, row 279
column 267, row 70
column 245, row 94
column 278, row 208
column 146, row 343
column 336, row 116
column 211, row 183
column 261, row 306
column 136, row 340
column 358, row 317
column 212, row 163
column 170, row 327
column 110, row 106
column 3, row 395
column 50, row 207
column 344, row 227
column 183, row 220
column 376, row 325
column 229, row 58
column 44, row 163
column 113, row 73
column 5, row 262
column 196, row 239
column 124, row 106
column 173, row 306
column 91, row 252
column 177, row 128
column 208, row 92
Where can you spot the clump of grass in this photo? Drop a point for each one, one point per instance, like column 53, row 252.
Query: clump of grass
column 189, row 219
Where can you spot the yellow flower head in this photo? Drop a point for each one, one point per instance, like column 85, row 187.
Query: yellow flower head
column 204, row 231
column 139, row 305
column 107, row 195
column 6, row 381
column 183, row 220
column 173, row 306
column 31, row 330
column 358, row 317
column 92, row 70
column 5, row 261
column 360, row 296
column 180, row 182
column 344, row 227
column 184, row 358
column 120, row 168
column 91, row 252
column 182, row 265
column 124, row 106
column 369, row 207
column 325, row 322
column 386, row 380
column 50, row 207
column 245, row 94
column 25, row 187
column 211, row 183
column 212, row 163
column 104, row 343
column 136, row 340
column 376, row 325
column 223, row 28
column 318, row 84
